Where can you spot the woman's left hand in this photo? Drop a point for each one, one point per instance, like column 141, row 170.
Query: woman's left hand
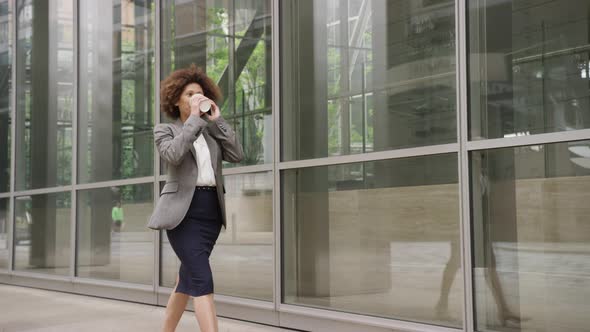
column 215, row 112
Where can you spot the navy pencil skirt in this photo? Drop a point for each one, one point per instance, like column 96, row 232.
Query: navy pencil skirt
column 193, row 240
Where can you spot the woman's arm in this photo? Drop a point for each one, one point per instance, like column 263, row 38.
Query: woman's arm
column 231, row 149
column 172, row 149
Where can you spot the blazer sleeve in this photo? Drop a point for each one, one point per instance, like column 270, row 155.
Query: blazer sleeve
column 172, row 148
column 231, row 149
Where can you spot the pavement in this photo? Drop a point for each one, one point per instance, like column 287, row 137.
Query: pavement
column 29, row 309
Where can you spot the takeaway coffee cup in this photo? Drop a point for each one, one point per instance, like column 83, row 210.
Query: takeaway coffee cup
column 204, row 105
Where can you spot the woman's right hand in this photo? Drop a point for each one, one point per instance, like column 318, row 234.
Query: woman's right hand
column 194, row 104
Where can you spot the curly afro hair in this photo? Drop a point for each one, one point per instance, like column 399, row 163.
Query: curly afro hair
column 174, row 84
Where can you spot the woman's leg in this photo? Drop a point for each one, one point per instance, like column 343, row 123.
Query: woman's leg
column 174, row 309
column 205, row 312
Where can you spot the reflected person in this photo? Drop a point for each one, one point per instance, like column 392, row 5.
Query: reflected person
column 191, row 206
column 117, row 217
column 505, row 316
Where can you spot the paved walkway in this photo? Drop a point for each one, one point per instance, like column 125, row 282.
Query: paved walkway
column 28, row 309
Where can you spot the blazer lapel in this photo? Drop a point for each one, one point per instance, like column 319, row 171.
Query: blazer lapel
column 213, row 151
column 178, row 127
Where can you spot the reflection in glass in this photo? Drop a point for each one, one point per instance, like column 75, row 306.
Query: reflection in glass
column 378, row 238
column 113, row 241
column 4, row 250
column 116, row 90
column 5, row 93
column 42, row 233
column 384, row 80
column 44, row 93
column 529, row 67
column 532, row 237
column 242, row 261
column 231, row 40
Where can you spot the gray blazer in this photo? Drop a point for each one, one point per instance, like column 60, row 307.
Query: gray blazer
column 174, row 141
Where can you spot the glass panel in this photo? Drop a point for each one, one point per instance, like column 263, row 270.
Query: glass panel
column 6, row 30
column 113, row 240
column 231, row 40
column 42, row 233
column 44, row 93
column 4, row 224
column 531, row 237
column 378, row 238
column 529, row 67
column 45, row 73
column 242, row 261
column 385, row 80
column 116, row 90
column 252, row 115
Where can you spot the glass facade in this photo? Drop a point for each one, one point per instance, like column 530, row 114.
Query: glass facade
column 113, row 242
column 383, row 80
column 116, row 90
column 44, row 93
column 231, row 41
column 242, row 262
column 409, row 164
column 379, row 238
column 529, row 75
column 41, row 240
column 532, row 223
column 532, row 69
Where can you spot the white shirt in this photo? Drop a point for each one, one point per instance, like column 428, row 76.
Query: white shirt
column 206, row 176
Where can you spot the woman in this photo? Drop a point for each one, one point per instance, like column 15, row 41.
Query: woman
column 191, row 206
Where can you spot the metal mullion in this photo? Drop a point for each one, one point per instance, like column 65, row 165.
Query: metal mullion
column 231, row 41
column 73, row 198
column 395, row 325
column 156, row 184
column 235, row 170
column 85, row 186
column 5, row 195
column 40, row 275
column 113, row 183
column 41, row 191
column 11, row 202
column 537, row 139
column 372, row 156
column 463, row 164
column 263, row 110
column 112, row 283
column 232, row 300
column 248, row 169
column 276, row 105
column 242, row 301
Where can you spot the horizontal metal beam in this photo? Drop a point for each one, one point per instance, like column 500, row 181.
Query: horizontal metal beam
column 372, row 156
column 115, row 183
column 113, row 283
column 247, row 169
column 38, row 275
column 51, row 190
column 396, row 325
column 85, row 186
column 537, row 139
